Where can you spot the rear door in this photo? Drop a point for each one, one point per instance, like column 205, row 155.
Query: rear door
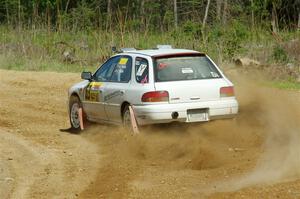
column 189, row 78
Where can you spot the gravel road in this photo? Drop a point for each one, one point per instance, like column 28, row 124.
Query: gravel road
column 257, row 155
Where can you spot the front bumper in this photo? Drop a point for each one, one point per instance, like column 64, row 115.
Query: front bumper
column 162, row 113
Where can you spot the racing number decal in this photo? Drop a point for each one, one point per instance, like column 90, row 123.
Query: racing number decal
column 93, row 91
column 141, row 70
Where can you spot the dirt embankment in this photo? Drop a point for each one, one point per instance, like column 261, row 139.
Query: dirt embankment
column 257, row 155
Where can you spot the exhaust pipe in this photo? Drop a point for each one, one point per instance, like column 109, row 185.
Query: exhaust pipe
column 175, row 115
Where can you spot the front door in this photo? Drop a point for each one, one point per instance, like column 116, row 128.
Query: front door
column 116, row 89
column 93, row 102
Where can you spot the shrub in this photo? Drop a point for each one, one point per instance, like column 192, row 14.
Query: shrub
column 279, row 54
column 191, row 28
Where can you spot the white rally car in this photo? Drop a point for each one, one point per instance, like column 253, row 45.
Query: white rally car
column 161, row 85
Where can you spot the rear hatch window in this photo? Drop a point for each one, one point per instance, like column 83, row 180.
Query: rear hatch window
column 184, row 67
column 190, row 78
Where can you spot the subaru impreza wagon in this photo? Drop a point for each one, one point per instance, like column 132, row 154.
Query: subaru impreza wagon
column 161, row 85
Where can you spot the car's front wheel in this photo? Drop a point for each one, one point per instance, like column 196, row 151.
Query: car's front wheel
column 74, row 106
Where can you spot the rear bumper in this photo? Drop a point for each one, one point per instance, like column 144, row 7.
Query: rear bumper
column 162, row 113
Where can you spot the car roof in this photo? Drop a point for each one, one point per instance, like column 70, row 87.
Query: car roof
column 160, row 52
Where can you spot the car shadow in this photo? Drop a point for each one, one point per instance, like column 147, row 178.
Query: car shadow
column 69, row 130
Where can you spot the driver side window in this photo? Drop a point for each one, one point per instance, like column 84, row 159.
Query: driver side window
column 105, row 71
column 122, row 71
column 116, row 69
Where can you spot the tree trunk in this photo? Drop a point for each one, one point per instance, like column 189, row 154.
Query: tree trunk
column 108, row 21
column 99, row 18
column 35, row 15
column 162, row 14
column 225, row 12
column 274, row 19
column 19, row 15
column 67, row 6
column 175, row 14
column 48, row 17
column 218, row 9
column 58, row 16
column 299, row 21
column 193, row 11
column 205, row 15
column 7, row 13
column 142, row 14
column 252, row 14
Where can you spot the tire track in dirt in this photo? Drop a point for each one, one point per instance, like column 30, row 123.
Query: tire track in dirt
column 22, row 164
column 32, row 170
column 37, row 160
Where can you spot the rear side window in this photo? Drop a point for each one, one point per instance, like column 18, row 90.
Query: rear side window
column 141, row 70
column 178, row 68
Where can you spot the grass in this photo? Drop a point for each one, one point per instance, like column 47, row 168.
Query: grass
column 29, row 64
column 38, row 50
column 287, row 85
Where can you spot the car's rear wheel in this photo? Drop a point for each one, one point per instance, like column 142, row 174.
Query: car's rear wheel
column 75, row 105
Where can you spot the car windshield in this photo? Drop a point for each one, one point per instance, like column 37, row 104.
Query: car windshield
column 184, row 68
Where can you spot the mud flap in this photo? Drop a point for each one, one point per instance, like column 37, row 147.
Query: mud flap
column 80, row 118
column 133, row 121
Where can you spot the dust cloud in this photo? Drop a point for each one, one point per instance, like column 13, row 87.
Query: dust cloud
column 264, row 139
column 275, row 114
column 280, row 159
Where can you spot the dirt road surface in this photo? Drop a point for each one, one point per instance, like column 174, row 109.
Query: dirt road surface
column 257, row 155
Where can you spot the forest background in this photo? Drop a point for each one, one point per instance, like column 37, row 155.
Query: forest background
column 76, row 35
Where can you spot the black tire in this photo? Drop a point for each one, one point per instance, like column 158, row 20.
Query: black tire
column 74, row 105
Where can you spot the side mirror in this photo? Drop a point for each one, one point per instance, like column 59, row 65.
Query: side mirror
column 86, row 75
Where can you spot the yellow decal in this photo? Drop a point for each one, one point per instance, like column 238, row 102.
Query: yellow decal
column 93, row 91
column 123, row 61
column 94, row 96
column 95, row 85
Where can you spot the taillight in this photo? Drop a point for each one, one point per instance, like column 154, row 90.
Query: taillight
column 155, row 96
column 227, row 91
